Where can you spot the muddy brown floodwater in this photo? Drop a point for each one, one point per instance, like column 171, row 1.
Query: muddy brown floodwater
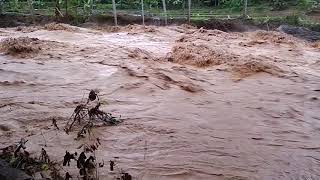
column 196, row 103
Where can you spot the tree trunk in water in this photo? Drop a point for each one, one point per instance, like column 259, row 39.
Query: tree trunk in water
column 142, row 11
column 165, row 12
column 189, row 11
column 114, row 12
column 245, row 8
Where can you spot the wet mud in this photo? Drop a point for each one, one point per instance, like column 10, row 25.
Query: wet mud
column 196, row 103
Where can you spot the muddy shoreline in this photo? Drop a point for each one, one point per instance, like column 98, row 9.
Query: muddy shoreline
column 232, row 25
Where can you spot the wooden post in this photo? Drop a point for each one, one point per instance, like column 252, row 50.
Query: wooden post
column 114, row 12
column 165, row 12
column 142, row 11
column 189, row 11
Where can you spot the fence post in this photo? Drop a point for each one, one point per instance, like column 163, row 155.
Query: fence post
column 142, row 11
column 114, row 12
column 189, row 11
column 165, row 12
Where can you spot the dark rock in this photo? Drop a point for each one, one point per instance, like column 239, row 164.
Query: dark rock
column 300, row 32
column 8, row 173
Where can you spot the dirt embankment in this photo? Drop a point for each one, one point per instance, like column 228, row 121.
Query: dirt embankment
column 13, row 20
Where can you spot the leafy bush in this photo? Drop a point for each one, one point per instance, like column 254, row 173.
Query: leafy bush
column 293, row 19
column 308, row 4
column 234, row 5
column 279, row 4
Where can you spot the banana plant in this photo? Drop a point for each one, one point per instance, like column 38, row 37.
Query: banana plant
column 87, row 6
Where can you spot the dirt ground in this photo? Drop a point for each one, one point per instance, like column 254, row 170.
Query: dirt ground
column 196, row 103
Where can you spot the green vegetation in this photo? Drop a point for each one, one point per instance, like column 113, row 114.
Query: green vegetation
column 291, row 11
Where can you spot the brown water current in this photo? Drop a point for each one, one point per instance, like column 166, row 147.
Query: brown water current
column 196, row 104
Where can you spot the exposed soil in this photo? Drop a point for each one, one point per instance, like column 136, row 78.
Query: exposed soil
column 195, row 103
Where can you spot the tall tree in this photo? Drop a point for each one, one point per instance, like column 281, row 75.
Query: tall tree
column 189, row 11
column 1, row 6
column 66, row 6
column 165, row 12
column 245, row 9
column 114, row 12
column 142, row 11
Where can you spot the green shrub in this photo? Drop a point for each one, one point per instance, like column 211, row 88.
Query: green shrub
column 293, row 19
column 234, row 5
column 279, row 4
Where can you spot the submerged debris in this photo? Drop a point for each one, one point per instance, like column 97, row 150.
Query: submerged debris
column 68, row 157
column 126, row 176
column 18, row 158
column 111, row 165
column 93, row 113
column 44, row 156
column 68, row 176
column 54, row 123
